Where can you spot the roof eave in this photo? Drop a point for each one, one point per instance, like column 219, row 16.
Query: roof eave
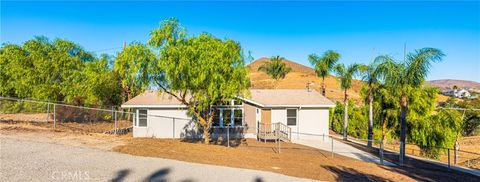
column 152, row 106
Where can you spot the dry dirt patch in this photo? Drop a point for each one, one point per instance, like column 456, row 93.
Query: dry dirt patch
column 26, row 131
column 294, row 160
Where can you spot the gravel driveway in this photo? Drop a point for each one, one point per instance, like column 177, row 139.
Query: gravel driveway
column 23, row 160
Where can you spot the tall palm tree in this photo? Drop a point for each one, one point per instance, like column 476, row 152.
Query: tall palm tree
column 275, row 68
column 402, row 77
column 370, row 77
column 324, row 64
column 346, row 75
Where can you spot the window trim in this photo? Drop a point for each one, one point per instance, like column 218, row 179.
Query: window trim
column 222, row 116
column 138, row 119
column 296, row 116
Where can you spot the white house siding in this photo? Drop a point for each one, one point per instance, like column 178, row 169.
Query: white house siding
column 279, row 115
column 166, row 127
column 312, row 123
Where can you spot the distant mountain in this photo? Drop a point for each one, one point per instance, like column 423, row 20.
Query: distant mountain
column 298, row 79
column 449, row 83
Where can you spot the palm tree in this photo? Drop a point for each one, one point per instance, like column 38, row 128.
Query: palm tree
column 324, row 64
column 346, row 75
column 370, row 77
column 275, row 68
column 402, row 77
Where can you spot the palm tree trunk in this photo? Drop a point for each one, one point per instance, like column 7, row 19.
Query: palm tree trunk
column 345, row 116
column 323, row 86
column 403, row 126
column 370, row 120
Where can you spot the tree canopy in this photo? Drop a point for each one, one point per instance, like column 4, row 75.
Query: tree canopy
column 132, row 66
column 57, row 70
column 275, row 68
column 200, row 71
column 324, row 64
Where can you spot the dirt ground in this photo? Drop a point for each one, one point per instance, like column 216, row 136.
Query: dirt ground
column 37, row 133
column 86, row 128
column 294, row 160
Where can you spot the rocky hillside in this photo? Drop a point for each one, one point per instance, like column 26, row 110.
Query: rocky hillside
column 448, row 84
column 298, row 79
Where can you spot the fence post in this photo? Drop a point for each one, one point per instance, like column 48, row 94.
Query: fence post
column 448, row 152
column 48, row 111
column 381, row 152
column 332, row 145
column 54, row 116
column 228, row 135
column 402, row 152
column 278, row 140
column 265, row 132
column 115, row 132
column 455, row 153
column 258, row 131
column 173, row 127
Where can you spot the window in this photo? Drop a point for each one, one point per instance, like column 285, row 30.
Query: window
column 216, row 118
column 227, row 117
column 142, row 118
column 237, row 117
column 291, row 117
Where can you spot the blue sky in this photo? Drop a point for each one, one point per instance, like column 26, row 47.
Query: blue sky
column 357, row 30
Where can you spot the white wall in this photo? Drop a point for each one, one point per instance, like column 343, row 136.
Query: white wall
column 311, row 122
column 161, row 127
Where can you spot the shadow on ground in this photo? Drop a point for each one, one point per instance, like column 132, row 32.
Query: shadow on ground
column 418, row 169
column 350, row 174
column 157, row 176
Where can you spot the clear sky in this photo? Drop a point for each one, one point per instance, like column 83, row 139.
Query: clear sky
column 357, row 30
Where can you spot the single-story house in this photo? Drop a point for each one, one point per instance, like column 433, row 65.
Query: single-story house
column 305, row 113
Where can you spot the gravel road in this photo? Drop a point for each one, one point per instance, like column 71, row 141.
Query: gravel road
column 23, row 160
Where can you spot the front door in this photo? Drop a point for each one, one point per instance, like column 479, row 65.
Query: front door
column 266, row 118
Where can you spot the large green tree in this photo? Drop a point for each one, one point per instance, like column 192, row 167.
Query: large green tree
column 275, row 68
column 132, row 67
column 346, row 74
column 324, row 64
column 58, row 70
column 404, row 76
column 199, row 71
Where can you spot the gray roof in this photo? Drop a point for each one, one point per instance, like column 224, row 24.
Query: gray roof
column 288, row 97
column 260, row 97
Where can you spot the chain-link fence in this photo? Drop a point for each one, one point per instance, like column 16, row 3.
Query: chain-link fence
column 65, row 117
column 448, row 156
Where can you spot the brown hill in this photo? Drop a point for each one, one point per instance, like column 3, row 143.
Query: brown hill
column 448, row 84
column 298, row 79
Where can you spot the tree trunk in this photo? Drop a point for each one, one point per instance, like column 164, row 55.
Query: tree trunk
column 370, row 120
column 403, row 126
column 345, row 116
column 323, row 86
column 206, row 126
column 206, row 134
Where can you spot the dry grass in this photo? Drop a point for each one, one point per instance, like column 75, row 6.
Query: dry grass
column 294, row 159
column 301, row 75
column 85, row 128
column 298, row 79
